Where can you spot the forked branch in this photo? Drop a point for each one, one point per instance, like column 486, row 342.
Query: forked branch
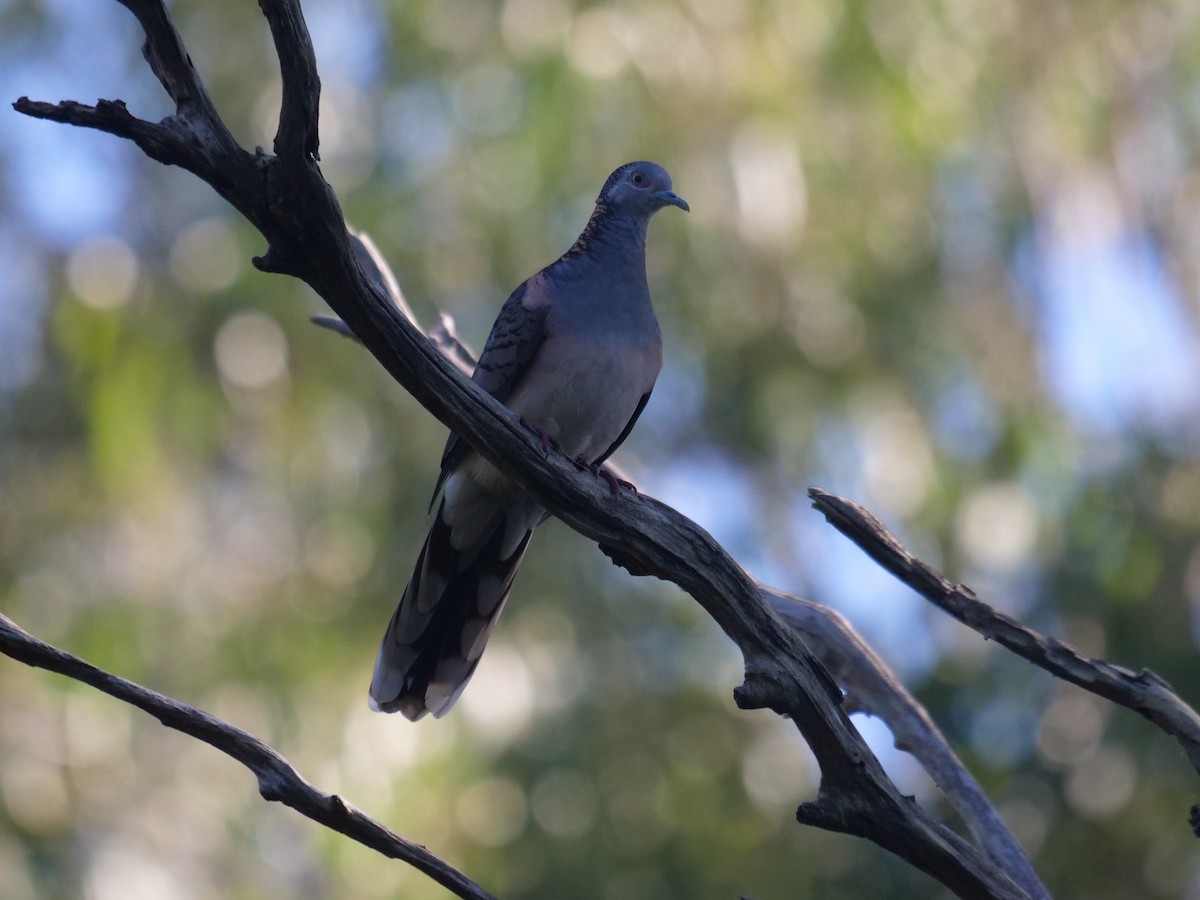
column 1143, row 692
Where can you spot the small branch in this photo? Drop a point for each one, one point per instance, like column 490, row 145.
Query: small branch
column 296, row 137
column 444, row 335
column 169, row 60
column 1143, row 692
column 156, row 141
column 872, row 687
column 277, row 780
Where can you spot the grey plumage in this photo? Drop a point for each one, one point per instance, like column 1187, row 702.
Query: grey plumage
column 575, row 351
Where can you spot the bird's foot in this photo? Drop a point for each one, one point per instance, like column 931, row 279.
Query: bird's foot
column 548, row 442
column 614, row 483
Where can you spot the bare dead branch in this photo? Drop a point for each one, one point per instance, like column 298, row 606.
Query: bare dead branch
column 297, row 134
column 444, row 335
column 171, row 65
column 286, row 198
column 1143, row 692
column 277, row 780
column 872, row 687
column 155, row 140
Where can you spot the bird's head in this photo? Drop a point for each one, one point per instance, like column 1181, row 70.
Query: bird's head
column 640, row 189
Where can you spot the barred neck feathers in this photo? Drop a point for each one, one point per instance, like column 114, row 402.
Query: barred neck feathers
column 608, row 227
column 609, row 231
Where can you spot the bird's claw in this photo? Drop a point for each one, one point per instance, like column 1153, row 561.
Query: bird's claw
column 614, row 483
column 548, row 442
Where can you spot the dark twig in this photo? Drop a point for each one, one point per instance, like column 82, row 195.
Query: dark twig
column 277, row 780
column 171, row 65
column 444, row 335
column 158, row 141
column 1143, row 692
column 297, row 136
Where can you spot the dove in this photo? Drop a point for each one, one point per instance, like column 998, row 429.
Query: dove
column 575, row 352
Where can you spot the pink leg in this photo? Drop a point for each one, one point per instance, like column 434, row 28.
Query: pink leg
column 614, row 483
column 548, row 442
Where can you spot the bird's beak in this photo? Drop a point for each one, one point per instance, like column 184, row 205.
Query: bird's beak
column 670, row 198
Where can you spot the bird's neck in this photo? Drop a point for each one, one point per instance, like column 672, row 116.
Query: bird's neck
column 609, row 238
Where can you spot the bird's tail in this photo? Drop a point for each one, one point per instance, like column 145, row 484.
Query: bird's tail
column 437, row 634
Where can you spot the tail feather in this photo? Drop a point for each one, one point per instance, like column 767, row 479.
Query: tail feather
column 438, row 632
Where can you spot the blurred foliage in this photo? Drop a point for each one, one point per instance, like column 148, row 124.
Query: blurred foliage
column 942, row 258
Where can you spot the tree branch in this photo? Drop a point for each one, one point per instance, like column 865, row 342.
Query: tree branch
column 297, row 136
column 1143, row 692
column 172, row 66
column 871, row 686
column 869, row 683
column 155, row 140
column 277, row 780
column 286, row 198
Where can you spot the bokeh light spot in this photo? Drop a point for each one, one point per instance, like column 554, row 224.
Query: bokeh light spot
column 597, row 44
column 251, row 350
column 103, row 272
column 565, row 803
column 534, row 27
column 492, row 812
column 500, row 702
column 1102, row 783
column 205, row 258
column 772, row 200
column 998, row 527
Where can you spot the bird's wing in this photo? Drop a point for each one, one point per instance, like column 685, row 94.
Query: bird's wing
column 516, row 337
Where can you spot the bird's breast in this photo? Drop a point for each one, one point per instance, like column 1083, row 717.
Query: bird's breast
column 584, row 388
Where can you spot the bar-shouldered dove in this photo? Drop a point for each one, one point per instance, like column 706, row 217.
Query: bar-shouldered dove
column 575, row 352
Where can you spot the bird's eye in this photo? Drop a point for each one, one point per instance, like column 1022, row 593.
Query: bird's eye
column 639, row 180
